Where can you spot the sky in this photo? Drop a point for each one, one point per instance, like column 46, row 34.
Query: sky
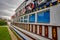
column 8, row 7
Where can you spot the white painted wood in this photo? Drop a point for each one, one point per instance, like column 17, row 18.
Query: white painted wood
column 37, row 37
column 35, row 17
column 38, row 29
column 58, row 33
column 23, row 19
column 37, row 11
column 28, row 19
column 43, row 30
column 34, row 28
column 50, row 32
column 54, row 0
column 23, row 35
column 55, row 15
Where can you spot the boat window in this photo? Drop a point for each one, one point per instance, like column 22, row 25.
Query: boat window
column 43, row 17
column 32, row 18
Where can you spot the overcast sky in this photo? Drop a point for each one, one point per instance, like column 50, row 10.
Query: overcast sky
column 7, row 7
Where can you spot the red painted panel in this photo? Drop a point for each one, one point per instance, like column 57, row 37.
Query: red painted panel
column 58, row 0
column 31, row 28
column 54, row 33
column 36, row 29
column 46, row 31
column 40, row 30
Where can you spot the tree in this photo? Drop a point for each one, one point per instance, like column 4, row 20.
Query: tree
column 3, row 22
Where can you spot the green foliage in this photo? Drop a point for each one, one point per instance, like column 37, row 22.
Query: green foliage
column 3, row 22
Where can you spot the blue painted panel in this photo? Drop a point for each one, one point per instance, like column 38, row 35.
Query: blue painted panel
column 43, row 17
column 32, row 18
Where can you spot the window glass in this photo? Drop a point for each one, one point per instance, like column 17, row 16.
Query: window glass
column 43, row 17
column 21, row 19
column 26, row 17
column 32, row 18
column 25, row 20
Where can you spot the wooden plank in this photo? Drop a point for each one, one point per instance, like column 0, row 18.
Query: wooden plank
column 46, row 31
column 36, row 29
column 31, row 28
column 40, row 30
column 54, row 33
column 58, row 0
